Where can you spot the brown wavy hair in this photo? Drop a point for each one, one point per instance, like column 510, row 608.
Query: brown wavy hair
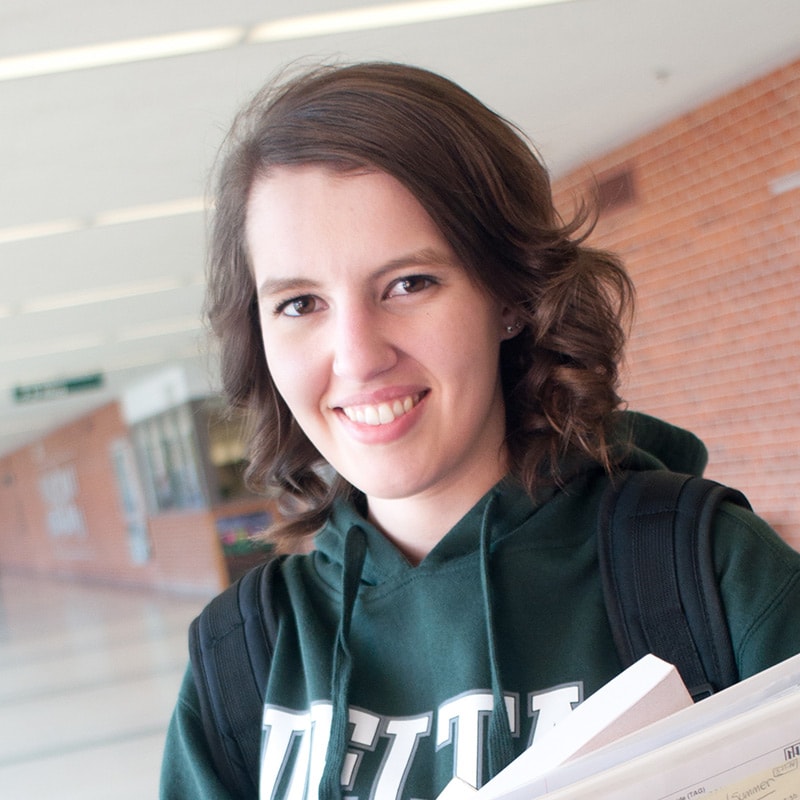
column 484, row 186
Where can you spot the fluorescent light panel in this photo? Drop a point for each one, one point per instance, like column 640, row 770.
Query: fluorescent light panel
column 299, row 27
column 145, row 358
column 167, row 327
column 173, row 208
column 118, row 216
column 39, row 230
column 382, row 16
column 100, row 295
column 104, row 55
column 68, row 344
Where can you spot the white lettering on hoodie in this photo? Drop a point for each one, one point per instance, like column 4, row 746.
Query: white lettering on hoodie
column 294, row 743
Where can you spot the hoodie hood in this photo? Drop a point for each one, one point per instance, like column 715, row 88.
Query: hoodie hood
column 645, row 442
column 640, row 442
column 356, row 560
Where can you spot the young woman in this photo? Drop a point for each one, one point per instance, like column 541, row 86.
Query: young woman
column 430, row 357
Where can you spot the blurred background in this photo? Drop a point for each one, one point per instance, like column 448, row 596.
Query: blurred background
column 121, row 502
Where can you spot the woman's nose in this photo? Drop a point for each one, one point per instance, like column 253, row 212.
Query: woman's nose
column 361, row 348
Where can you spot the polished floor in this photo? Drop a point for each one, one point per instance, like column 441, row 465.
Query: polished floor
column 88, row 678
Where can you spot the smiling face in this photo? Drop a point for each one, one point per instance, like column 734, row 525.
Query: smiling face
column 385, row 351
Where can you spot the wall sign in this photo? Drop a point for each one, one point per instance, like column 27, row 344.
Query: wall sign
column 50, row 390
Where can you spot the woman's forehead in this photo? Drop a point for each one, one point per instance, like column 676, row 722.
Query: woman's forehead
column 301, row 219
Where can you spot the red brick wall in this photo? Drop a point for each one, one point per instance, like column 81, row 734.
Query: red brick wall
column 89, row 539
column 715, row 255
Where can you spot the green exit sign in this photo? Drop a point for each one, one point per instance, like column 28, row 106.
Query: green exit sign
column 51, row 390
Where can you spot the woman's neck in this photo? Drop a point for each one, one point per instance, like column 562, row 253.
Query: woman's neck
column 415, row 525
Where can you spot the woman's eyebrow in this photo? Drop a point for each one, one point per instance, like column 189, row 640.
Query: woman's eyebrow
column 272, row 286
column 427, row 256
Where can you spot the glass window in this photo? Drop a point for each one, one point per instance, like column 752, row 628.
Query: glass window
column 166, row 448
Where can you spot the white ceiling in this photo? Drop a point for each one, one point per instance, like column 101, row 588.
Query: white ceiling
column 580, row 77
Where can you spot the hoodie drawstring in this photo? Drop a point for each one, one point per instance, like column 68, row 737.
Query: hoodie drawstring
column 355, row 550
column 500, row 743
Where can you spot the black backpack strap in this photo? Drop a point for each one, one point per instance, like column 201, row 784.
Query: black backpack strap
column 230, row 647
column 659, row 583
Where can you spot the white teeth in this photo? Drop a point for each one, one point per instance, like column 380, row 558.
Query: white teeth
column 381, row 414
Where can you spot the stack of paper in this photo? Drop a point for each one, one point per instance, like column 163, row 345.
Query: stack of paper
column 742, row 742
column 647, row 691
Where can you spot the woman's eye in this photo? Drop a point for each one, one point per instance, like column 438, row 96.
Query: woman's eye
column 297, row 306
column 409, row 285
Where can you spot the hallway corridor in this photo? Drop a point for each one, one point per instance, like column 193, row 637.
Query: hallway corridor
column 88, row 678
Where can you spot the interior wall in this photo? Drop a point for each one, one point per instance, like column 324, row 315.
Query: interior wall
column 705, row 211
column 61, row 514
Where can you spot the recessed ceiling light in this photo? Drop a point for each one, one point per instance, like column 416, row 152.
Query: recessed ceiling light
column 143, row 213
column 382, row 16
column 117, row 216
column 100, row 294
column 161, row 328
column 38, row 230
column 51, row 347
column 103, row 55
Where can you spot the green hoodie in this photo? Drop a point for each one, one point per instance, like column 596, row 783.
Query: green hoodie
column 450, row 668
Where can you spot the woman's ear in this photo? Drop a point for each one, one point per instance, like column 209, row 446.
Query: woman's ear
column 511, row 322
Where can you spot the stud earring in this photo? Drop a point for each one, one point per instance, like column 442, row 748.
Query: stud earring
column 515, row 327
